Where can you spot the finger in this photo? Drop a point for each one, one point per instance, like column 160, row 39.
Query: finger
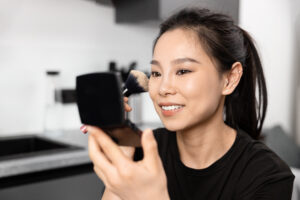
column 101, row 175
column 127, row 107
column 128, row 151
column 103, row 178
column 98, row 158
column 109, row 147
column 149, row 144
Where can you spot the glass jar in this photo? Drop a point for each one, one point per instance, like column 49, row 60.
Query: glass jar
column 53, row 105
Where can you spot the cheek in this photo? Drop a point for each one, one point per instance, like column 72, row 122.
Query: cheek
column 152, row 89
column 191, row 86
column 203, row 92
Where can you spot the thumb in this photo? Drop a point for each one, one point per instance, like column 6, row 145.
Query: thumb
column 149, row 144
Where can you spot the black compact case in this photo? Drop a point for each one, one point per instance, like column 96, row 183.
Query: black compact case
column 100, row 103
column 100, row 99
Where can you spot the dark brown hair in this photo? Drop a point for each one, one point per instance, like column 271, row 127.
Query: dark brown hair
column 227, row 43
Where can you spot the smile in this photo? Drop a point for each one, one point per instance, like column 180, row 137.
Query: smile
column 172, row 107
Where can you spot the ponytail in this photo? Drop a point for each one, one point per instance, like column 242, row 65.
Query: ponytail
column 243, row 110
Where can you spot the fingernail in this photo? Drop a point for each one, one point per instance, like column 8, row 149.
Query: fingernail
column 83, row 129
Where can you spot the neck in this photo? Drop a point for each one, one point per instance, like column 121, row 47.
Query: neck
column 205, row 143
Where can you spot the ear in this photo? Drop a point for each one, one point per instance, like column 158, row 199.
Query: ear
column 232, row 78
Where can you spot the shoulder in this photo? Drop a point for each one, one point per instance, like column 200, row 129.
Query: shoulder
column 261, row 167
column 259, row 156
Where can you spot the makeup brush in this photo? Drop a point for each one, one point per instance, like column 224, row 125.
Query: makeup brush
column 136, row 82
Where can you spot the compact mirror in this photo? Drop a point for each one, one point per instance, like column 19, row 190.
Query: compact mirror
column 100, row 103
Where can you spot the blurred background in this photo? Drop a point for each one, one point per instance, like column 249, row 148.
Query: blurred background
column 74, row 37
column 82, row 36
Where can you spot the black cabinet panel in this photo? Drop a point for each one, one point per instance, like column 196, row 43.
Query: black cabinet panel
column 132, row 11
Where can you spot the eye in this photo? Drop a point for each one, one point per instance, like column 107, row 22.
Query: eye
column 183, row 71
column 155, row 74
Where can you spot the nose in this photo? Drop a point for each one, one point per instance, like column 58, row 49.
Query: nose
column 167, row 87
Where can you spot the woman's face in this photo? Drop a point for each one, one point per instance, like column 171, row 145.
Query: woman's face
column 185, row 86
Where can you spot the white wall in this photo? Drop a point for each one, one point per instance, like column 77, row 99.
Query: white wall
column 273, row 24
column 77, row 36
column 73, row 36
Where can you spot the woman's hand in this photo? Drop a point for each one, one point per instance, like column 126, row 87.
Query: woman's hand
column 126, row 105
column 122, row 176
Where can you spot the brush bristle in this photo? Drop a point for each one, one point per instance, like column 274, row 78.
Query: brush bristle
column 136, row 82
column 142, row 79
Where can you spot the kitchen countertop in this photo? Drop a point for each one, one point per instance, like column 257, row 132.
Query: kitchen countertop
column 50, row 161
column 62, row 159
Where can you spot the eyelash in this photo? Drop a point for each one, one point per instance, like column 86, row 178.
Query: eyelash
column 155, row 74
column 179, row 72
column 182, row 71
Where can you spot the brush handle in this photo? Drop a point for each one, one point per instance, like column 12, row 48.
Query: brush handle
column 126, row 92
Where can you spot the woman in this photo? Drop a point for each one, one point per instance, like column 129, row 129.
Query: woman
column 203, row 81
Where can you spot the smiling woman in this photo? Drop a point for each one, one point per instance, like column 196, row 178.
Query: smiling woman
column 204, row 74
column 185, row 77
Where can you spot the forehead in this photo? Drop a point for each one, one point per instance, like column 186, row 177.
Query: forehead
column 178, row 42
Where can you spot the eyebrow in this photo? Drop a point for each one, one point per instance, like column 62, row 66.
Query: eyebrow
column 176, row 61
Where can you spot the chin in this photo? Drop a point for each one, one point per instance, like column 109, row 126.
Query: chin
column 173, row 126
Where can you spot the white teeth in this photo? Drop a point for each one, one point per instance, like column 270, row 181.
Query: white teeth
column 173, row 107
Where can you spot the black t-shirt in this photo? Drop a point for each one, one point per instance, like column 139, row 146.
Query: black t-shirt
column 248, row 171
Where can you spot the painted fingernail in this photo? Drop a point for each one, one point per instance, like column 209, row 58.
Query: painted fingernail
column 83, row 129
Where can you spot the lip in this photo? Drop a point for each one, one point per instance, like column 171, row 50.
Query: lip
column 169, row 104
column 168, row 113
